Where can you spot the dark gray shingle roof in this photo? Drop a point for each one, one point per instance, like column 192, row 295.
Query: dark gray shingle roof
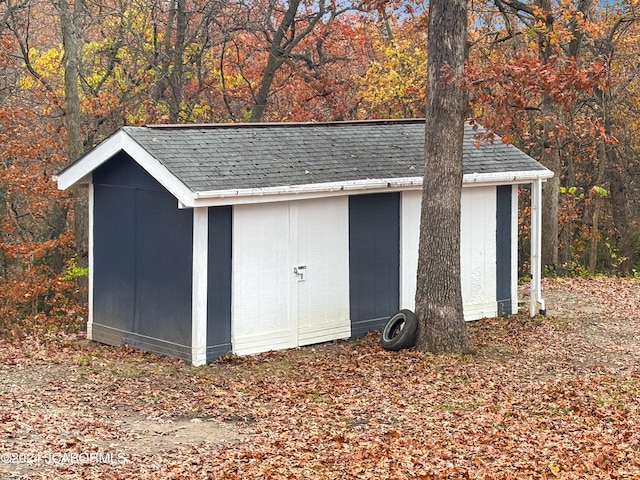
column 220, row 157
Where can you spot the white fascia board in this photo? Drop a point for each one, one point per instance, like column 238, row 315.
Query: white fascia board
column 304, row 192
column 506, row 178
column 318, row 190
column 80, row 171
column 312, row 188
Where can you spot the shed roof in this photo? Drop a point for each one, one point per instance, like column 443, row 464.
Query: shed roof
column 232, row 160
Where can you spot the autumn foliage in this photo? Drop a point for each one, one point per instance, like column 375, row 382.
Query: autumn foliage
column 37, row 289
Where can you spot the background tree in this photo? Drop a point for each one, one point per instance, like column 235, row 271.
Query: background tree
column 70, row 24
column 395, row 82
column 542, row 81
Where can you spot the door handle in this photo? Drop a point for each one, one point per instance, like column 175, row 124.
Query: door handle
column 300, row 271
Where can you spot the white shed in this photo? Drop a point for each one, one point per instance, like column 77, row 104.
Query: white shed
column 243, row 238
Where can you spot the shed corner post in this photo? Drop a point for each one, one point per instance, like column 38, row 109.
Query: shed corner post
column 536, row 303
column 515, row 192
column 199, row 286
column 91, row 263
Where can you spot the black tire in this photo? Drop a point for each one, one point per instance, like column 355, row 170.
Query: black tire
column 400, row 331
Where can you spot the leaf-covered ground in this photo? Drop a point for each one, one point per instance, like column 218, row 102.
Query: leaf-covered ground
column 549, row 397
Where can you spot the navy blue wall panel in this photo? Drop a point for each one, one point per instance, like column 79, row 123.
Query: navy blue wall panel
column 374, row 260
column 163, row 267
column 219, row 283
column 122, row 171
column 503, row 250
column 114, row 257
column 142, row 261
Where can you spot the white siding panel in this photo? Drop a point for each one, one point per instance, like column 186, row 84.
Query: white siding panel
column 478, row 252
column 321, row 243
column 410, row 204
column 261, row 318
column 199, row 288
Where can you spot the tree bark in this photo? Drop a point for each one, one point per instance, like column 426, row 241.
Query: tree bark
column 70, row 24
column 597, row 207
column 72, row 117
column 170, row 70
column 550, row 158
column 620, row 180
column 275, row 60
column 439, row 293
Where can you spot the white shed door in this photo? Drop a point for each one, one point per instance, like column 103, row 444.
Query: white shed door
column 261, row 259
column 322, row 245
column 273, row 306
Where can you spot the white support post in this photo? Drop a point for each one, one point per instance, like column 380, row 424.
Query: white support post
column 514, row 248
column 90, row 263
column 199, row 286
column 536, row 303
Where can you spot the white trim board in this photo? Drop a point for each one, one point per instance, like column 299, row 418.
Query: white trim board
column 80, row 171
column 199, row 286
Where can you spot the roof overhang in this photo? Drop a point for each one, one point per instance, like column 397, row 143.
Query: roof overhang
column 80, row 172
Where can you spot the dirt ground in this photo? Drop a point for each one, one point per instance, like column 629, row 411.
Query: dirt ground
column 119, row 429
column 60, row 410
column 604, row 322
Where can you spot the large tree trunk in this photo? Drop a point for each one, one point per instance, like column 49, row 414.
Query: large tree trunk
column 69, row 21
column 70, row 24
column 170, row 69
column 619, row 181
column 439, row 293
column 176, row 74
column 550, row 158
column 550, row 149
